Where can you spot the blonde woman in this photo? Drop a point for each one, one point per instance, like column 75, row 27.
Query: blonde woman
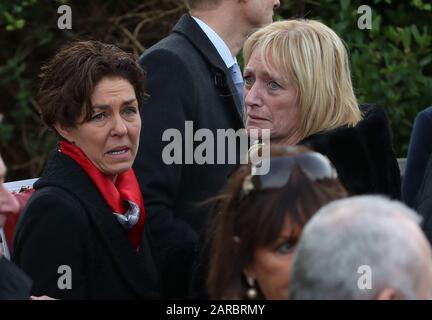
column 298, row 85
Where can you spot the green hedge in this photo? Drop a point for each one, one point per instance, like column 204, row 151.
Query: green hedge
column 391, row 63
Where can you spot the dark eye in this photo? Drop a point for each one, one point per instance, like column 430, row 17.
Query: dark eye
column 98, row 117
column 248, row 81
column 273, row 85
column 286, row 247
column 130, row 110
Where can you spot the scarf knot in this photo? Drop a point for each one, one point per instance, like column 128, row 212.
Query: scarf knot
column 124, row 197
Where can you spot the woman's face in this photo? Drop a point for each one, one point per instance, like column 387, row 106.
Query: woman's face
column 271, row 266
column 110, row 139
column 270, row 102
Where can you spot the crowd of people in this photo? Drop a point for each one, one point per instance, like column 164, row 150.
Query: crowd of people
column 110, row 219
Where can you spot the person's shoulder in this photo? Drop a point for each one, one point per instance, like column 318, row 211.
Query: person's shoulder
column 53, row 200
column 426, row 112
column 173, row 45
column 424, row 116
column 162, row 61
column 372, row 112
column 375, row 125
column 372, row 128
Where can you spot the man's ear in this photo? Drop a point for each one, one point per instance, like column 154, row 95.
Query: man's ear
column 389, row 294
column 64, row 132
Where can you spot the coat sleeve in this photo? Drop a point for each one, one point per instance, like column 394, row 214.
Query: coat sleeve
column 423, row 202
column 419, row 151
column 50, row 244
column 170, row 103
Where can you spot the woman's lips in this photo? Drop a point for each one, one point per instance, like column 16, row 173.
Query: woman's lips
column 255, row 118
column 119, row 153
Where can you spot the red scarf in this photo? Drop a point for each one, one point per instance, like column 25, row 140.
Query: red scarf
column 125, row 188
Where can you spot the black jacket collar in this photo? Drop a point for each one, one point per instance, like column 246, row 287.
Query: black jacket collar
column 188, row 28
column 363, row 155
column 63, row 172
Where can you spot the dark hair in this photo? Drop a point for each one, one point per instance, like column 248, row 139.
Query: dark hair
column 241, row 226
column 68, row 80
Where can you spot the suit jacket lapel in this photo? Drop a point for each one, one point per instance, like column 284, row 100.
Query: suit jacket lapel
column 68, row 175
column 222, row 76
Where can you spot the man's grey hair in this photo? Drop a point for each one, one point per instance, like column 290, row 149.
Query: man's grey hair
column 360, row 231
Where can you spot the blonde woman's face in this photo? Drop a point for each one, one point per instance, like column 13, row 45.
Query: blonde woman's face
column 270, row 102
column 271, row 266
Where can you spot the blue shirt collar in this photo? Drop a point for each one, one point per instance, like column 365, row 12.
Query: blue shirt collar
column 218, row 43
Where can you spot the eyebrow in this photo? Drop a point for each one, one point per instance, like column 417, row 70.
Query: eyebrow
column 266, row 74
column 290, row 237
column 272, row 76
column 107, row 106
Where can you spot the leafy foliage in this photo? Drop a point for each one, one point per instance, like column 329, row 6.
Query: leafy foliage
column 392, row 62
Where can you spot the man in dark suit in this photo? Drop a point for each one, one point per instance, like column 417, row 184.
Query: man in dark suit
column 192, row 75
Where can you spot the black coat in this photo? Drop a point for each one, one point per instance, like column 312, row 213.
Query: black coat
column 187, row 80
column 14, row 283
column 362, row 155
column 67, row 222
column 423, row 203
column 419, row 150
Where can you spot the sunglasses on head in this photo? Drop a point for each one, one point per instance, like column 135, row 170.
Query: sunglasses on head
column 313, row 164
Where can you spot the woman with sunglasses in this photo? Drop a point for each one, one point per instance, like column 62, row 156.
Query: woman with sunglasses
column 259, row 219
column 298, row 85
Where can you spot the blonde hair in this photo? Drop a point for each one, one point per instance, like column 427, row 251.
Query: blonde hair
column 313, row 58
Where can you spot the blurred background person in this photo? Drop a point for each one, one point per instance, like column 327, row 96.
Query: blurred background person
column 8, row 205
column 423, row 201
column 11, row 222
column 298, row 85
column 259, row 219
column 14, row 283
column 419, row 151
column 372, row 232
column 87, row 214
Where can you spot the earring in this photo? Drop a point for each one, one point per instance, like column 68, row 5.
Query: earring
column 251, row 293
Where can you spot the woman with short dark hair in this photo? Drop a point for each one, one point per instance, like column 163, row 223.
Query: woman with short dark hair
column 83, row 234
